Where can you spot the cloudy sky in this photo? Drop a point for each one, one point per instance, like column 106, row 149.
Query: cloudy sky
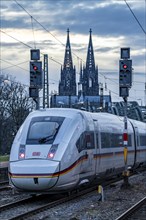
column 42, row 24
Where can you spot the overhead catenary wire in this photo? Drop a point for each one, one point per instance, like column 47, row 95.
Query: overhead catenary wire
column 42, row 53
column 46, row 29
column 135, row 16
column 51, row 33
column 32, row 18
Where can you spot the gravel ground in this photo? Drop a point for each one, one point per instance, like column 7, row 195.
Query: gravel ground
column 88, row 207
column 116, row 201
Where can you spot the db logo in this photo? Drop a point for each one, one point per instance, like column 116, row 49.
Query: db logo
column 36, row 153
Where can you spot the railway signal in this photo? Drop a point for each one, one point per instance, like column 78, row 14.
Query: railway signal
column 35, row 54
column 36, row 74
column 125, row 83
column 125, row 73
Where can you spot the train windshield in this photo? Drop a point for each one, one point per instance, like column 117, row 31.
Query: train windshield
column 43, row 129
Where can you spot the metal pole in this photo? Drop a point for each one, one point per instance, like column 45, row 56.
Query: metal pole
column 125, row 143
column 46, row 83
column 36, row 100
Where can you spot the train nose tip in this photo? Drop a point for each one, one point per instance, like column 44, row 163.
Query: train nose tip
column 34, row 175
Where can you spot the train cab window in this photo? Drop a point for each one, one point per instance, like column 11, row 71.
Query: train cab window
column 43, row 129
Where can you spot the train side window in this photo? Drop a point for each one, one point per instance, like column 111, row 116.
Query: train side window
column 105, row 140
column 129, row 140
column 116, row 140
column 97, row 140
column 85, row 141
column 110, row 140
column 142, row 140
column 89, row 140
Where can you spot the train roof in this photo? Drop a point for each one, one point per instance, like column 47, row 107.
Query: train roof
column 64, row 112
column 71, row 112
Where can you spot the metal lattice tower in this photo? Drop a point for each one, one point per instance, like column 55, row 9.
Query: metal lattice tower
column 46, row 83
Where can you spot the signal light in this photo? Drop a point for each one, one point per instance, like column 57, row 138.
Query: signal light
column 36, row 74
column 125, row 66
column 35, row 68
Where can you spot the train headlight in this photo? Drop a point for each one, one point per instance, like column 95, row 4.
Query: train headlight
column 52, row 151
column 21, row 152
column 50, row 155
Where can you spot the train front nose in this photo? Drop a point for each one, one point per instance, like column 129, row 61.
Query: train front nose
column 34, row 175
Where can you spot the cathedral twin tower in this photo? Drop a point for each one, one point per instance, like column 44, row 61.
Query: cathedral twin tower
column 88, row 75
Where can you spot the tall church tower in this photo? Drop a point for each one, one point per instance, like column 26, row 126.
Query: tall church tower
column 90, row 73
column 67, row 84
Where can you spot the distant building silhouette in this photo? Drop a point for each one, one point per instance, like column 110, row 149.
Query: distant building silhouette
column 67, row 84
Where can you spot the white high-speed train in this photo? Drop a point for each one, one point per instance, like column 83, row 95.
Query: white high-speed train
column 60, row 149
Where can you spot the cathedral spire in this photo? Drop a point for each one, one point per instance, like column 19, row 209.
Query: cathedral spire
column 67, row 85
column 90, row 63
column 90, row 73
column 68, row 57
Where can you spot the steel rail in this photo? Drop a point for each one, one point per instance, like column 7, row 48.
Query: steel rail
column 132, row 210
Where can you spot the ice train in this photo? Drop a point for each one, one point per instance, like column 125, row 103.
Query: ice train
column 59, row 149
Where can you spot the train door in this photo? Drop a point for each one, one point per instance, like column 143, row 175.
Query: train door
column 87, row 167
column 136, row 143
column 97, row 147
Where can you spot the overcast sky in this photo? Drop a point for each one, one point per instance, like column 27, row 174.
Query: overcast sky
column 43, row 24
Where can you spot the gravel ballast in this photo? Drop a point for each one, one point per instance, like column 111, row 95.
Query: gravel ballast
column 116, row 201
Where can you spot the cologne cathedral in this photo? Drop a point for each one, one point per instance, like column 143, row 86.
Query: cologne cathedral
column 82, row 94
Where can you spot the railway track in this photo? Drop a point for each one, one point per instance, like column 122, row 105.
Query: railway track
column 35, row 205
column 4, row 185
column 3, row 174
column 31, row 206
column 19, row 208
column 136, row 212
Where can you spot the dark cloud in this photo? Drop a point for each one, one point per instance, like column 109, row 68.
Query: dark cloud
column 112, row 19
column 103, row 50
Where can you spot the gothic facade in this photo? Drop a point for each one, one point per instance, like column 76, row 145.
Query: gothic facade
column 88, row 82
